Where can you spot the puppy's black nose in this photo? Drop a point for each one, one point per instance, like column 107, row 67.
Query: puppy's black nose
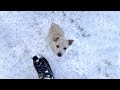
column 59, row 54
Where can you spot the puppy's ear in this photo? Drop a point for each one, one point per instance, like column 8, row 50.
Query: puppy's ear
column 70, row 42
column 55, row 38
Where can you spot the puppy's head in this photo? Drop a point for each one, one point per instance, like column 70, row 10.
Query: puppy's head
column 61, row 45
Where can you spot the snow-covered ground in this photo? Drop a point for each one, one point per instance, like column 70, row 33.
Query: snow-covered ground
column 95, row 52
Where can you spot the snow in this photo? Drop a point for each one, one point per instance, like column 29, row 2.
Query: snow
column 94, row 54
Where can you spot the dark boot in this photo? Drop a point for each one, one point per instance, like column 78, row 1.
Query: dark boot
column 43, row 68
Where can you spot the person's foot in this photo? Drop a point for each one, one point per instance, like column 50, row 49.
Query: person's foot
column 42, row 67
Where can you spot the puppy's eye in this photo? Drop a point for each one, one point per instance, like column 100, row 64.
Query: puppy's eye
column 64, row 48
column 57, row 46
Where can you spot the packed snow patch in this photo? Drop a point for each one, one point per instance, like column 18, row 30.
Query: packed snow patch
column 95, row 52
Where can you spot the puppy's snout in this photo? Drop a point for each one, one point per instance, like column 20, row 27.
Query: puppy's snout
column 59, row 54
